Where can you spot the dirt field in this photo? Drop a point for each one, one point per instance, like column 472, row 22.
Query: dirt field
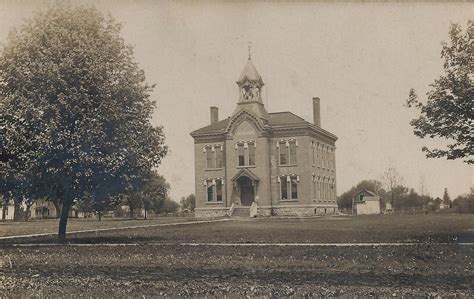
column 154, row 264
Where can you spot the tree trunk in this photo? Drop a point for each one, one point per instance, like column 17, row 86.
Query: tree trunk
column 131, row 211
column 4, row 211
column 27, row 213
column 145, row 214
column 57, row 207
column 100, row 215
column 63, row 221
column 16, row 211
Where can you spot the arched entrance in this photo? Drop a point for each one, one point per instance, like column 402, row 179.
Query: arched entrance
column 247, row 191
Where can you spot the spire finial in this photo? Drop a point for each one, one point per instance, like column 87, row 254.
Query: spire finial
column 250, row 56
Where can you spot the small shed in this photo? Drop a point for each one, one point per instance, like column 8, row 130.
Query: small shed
column 367, row 203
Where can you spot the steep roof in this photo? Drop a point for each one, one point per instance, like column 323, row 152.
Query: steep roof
column 285, row 118
column 250, row 73
column 213, row 128
column 275, row 119
column 368, row 195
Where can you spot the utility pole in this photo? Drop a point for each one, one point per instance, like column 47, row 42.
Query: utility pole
column 352, row 205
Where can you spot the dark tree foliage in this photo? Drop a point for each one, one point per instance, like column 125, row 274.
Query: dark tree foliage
column 188, row 203
column 150, row 196
column 446, row 197
column 448, row 113
column 75, row 110
column 464, row 203
column 169, row 206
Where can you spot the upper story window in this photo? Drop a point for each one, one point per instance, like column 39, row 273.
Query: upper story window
column 218, row 151
column 288, row 187
column 246, row 153
column 283, row 153
column 213, row 156
column 251, row 151
column 241, row 154
column 287, row 151
column 292, row 152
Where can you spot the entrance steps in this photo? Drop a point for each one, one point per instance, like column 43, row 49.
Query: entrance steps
column 241, row 212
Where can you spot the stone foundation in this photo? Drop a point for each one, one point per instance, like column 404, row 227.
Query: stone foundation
column 210, row 212
column 266, row 211
column 297, row 211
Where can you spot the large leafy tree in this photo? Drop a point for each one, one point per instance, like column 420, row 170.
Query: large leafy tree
column 448, row 113
column 76, row 108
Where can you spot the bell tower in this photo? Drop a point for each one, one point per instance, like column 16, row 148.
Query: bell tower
column 250, row 85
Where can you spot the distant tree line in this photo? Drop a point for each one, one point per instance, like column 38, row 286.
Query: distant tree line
column 404, row 198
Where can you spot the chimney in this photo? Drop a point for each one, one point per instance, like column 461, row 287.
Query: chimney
column 214, row 115
column 316, row 112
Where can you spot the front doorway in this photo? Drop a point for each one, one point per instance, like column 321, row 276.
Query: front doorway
column 247, row 191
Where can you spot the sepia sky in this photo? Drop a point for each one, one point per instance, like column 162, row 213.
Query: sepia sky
column 361, row 59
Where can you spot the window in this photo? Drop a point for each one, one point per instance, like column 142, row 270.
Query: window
column 210, row 191
column 209, row 157
column 294, row 188
column 333, row 189
column 251, row 149
column 283, row 153
column 320, row 151
column 284, row 187
column 313, row 180
column 287, row 152
column 320, row 188
column 289, row 187
column 313, row 152
column 214, row 190
column 241, row 154
column 218, row 151
column 292, row 152
column 218, row 190
column 213, row 156
column 246, row 153
column 324, row 157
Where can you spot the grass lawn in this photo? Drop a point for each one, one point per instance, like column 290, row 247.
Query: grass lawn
column 149, row 269
column 51, row 225
column 341, row 229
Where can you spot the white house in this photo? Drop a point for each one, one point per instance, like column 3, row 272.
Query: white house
column 367, row 203
column 9, row 212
